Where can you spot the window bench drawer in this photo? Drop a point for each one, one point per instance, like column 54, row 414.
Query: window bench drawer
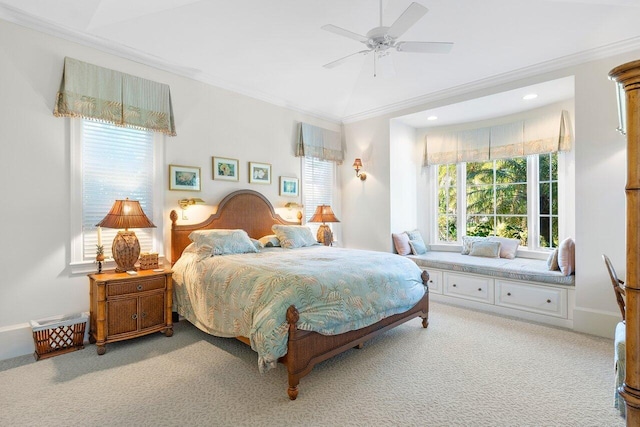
column 471, row 287
column 537, row 299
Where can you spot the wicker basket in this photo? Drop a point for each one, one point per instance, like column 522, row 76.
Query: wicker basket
column 148, row 261
column 58, row 335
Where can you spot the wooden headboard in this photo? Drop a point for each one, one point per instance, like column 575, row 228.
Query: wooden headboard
column 244, row 209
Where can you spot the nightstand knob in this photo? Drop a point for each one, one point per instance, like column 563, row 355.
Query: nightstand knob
column 139, row 287
column 134, row 316
column 144, row 314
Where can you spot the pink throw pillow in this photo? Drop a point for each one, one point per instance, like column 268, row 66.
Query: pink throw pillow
column 401, row 243
column 567, row 256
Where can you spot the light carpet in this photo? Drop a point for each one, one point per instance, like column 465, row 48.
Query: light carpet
column 467, row 369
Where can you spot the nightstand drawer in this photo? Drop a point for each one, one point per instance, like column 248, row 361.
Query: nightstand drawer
column 132, row 286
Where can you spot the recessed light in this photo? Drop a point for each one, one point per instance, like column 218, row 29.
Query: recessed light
column 432, row 118
column 530, row 96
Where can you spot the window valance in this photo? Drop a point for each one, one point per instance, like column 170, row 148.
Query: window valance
column 98, row 93
column 541, row 134
column 319, row 143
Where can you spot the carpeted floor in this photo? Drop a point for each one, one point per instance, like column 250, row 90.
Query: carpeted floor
column 466, row 369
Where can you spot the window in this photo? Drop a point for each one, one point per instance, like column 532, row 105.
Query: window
column 108, row 163
column 505, row 198
column 317, row 186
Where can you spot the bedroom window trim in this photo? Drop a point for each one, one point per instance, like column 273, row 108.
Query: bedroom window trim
column 78, row 264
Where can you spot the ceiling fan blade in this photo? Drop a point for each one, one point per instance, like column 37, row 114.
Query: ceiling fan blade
column 424, row 47
column 409, row 17
column 341, row 60
column 346, row 33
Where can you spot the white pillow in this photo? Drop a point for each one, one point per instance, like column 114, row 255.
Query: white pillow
column 567, row 256
column 508, row 247
column 224, row 242
column 467, row 242
column 294, row 236
column 552, row 261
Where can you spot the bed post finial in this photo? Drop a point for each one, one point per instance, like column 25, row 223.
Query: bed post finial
column 174, row 217
column 425, row 277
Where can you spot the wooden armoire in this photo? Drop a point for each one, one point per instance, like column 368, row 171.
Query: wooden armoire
column 628, row 78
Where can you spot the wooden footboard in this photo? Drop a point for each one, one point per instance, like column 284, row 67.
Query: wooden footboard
column 306, row 349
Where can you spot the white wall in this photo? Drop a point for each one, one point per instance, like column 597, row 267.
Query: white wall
column 35, row 168
column 598, row 162
column 404, row 162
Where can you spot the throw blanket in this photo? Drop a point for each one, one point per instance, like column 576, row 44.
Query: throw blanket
column 335, row 290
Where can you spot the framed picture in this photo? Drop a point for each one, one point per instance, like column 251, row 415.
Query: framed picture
column 225, row 169
column 184, row 178
column 259, row 173
column 289, row 186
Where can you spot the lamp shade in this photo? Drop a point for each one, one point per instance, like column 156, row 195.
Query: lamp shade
column 323, row 214
column 126, row 214
column 126, row 248
column 357, row 164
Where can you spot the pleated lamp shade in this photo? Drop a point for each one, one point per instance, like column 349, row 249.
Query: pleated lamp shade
column 126, row 248
column 324, row 214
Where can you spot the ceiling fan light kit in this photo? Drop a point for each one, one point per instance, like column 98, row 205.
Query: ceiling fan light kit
column 381, row 39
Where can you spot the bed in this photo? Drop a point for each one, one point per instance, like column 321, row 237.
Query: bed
column 303, row 347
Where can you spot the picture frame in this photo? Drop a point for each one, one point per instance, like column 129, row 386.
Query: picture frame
column 289, row 187
column 184, row 178
column 225, row 169
column 259, row 173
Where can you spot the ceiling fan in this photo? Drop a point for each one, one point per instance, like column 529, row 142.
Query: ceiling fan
column 380, row 40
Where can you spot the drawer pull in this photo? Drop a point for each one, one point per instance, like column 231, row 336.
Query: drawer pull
column 430, row 281
column 480, row 289
column 508, row 294
column 139, row 287
column 454, row 285
column 549, row 301
column 144, row 314
column 134, row 316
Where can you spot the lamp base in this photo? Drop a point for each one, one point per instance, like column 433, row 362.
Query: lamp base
column 325, row 236
column 126, row 250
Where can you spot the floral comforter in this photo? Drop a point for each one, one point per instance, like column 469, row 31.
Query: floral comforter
column 335, row 290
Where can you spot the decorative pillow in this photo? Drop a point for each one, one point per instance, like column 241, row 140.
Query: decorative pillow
column 294, row 236
column 418, row 247
column 256, row 243
column 224, row 242
column 508, row 247
column 401, row 243
column 467, row 242
column 486, row 249
column 552, row 261
column 567, row 256
column 416, row 238
column 269, row 241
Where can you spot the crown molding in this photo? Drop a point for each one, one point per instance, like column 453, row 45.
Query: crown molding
column 510, row 76
column 19, row 17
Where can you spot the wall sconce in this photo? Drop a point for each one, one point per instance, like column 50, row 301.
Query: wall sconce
column 357, row 165
column 294, row 205
column 185, row 203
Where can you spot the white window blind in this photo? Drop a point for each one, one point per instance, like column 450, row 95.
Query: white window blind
column 117, row 163
column 317, row 186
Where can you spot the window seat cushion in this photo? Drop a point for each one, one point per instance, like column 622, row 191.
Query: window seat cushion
column 529, row 270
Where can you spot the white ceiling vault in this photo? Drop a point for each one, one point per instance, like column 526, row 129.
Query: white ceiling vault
column 275, row 50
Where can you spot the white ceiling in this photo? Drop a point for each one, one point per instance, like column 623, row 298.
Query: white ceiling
column 274, row 49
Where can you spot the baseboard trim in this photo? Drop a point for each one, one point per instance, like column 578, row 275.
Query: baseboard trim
column 16, row 340
column 503, row 311
column 595, row 322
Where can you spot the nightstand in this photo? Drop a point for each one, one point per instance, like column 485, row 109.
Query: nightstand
column 127, row 306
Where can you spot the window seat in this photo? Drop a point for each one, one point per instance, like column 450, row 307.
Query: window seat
column 524, row 269
column 519, row 287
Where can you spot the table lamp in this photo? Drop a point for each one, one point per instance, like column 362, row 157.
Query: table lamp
column 126, row 248
column 324, row 214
